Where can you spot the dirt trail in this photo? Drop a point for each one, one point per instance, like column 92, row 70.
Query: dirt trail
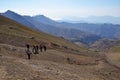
column 53, row 65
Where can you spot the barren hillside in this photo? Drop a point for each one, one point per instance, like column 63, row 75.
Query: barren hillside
column 63, row 60
column 53, row 65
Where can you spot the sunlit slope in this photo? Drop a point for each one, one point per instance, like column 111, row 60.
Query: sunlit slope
column 16, row 34
column 115, row 49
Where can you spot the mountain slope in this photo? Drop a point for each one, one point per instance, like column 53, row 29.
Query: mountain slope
column 58, row 63
column 86, row 33
column 45, row 20
column 14, row 33
column 103, row 30
column 42, row 22
column 106, row 30
column 49, row 26
column 16, row 17
column 108, row 45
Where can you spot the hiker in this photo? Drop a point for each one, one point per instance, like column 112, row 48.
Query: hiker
column 28, row 46
column 45, row 48
column 35, row 49
column 40, row 48
column 28, row 51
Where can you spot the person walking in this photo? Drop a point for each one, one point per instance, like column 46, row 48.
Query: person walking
column 28, row 51
column 35, row 50
column 41, row 48
column 45, row 48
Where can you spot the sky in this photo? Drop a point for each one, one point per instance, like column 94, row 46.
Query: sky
column 59, row 9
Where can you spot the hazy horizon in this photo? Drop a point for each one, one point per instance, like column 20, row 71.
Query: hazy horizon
column 60, row 9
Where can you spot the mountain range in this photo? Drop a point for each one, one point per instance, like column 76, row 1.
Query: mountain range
column 16, row 34
column 87, row 33
column 92, row 19
column 63, row 60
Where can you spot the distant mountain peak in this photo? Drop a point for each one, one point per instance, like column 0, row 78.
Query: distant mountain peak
column 40, row 17
column 9, row 11
column 44, row 19
column 18, row 18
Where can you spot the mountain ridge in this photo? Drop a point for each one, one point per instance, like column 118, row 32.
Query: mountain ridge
column 63, row 60
column 47, row 25
column 86, row 33
column 16, row 17
column 92, row 19
column 16, row 34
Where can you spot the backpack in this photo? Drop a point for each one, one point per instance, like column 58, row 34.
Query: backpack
column 28, row 51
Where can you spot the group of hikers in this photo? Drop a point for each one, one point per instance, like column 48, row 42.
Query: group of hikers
column 35, row 49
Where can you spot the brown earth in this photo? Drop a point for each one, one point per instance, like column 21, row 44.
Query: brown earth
column 53, row 65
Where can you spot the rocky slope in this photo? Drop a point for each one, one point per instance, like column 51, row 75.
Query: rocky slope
column 63, row 60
